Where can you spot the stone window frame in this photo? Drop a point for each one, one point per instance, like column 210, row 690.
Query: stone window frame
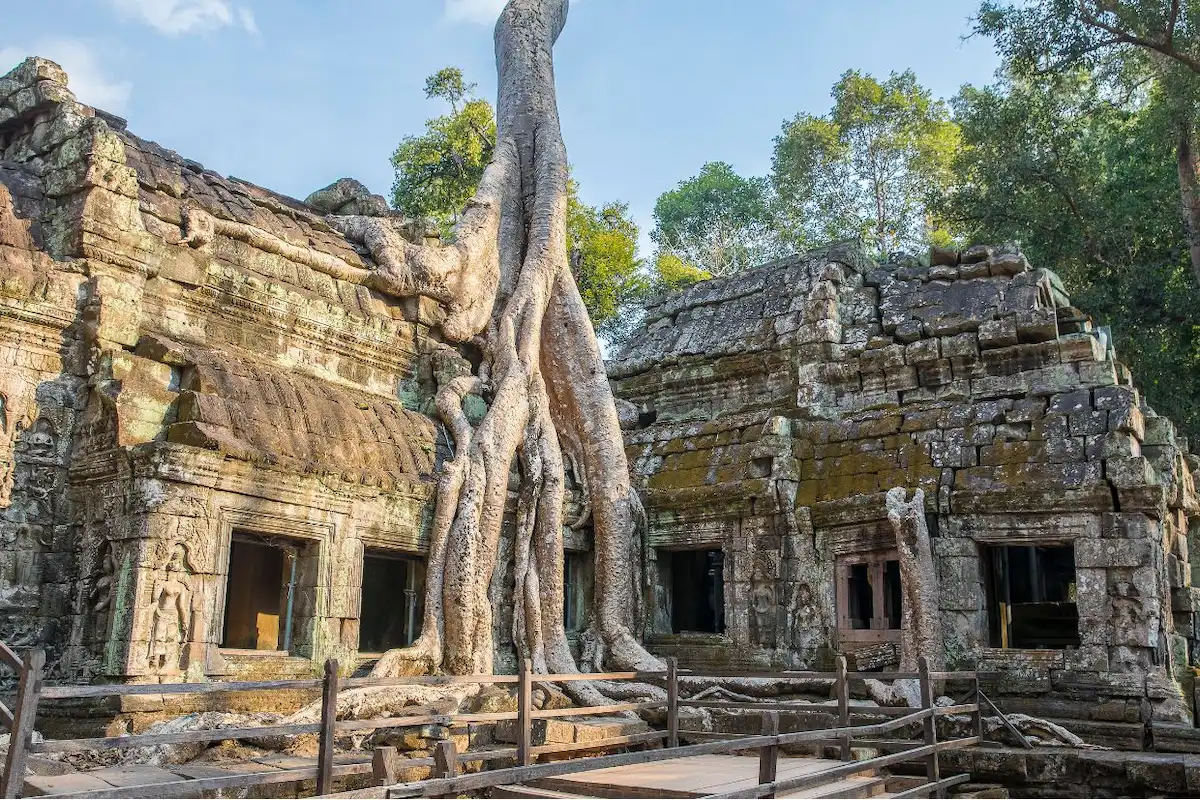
column 253, row 522
column 857, row 637
column 1032, row 529
column 985, row 544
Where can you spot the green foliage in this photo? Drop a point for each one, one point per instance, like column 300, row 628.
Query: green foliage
column 1088, row 187
column 438, row 171
column 602, row 242
column 867, row 167
column 448, row 83
column 671, row 272
column 717, row 221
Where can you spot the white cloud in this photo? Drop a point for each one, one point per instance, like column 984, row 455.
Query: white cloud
column 86, row 76
column 485, row 12
column 174, row 17
column 246, row 16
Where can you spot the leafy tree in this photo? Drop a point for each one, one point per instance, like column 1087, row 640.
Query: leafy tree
column 717, row 221
column 1088, row 186
column 1150, row 47
column 866, row 168
column 438, row 171
column 602, row 242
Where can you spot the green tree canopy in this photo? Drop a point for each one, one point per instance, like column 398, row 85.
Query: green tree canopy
column 671, row 272
column 1134, row 50
column 867, row 167
column 1089, row 188
column 602, row 242
column 438, row 171
column 718, row 221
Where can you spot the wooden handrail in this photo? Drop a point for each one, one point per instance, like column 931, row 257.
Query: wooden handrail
column 9, row 658
column 817, row 778
column 525, row 715
column 1004, row 718
column 594, row 710
column 521, row 774
column 127, row 689
column 152, row 739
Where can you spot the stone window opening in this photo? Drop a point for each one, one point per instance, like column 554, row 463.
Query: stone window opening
column 1031, row 596
column 393, row 601
column 869, row 598
column 265, row 601
column 695, row 589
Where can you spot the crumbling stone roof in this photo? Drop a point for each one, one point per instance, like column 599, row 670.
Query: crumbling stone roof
column 256, row 412
column 741, row 313
column 167, row 181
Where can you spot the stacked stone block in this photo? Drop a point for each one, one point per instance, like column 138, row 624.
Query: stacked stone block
column 973, row 378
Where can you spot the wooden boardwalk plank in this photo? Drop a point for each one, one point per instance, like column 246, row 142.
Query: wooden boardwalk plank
column 218, row 769
column 685, row 777
column 57, row 784
column 285, row 761
column 132, row 775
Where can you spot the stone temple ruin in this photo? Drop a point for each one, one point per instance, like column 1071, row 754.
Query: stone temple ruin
column 218, row 449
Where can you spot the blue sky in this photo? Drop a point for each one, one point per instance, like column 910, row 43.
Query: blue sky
column 293, row 94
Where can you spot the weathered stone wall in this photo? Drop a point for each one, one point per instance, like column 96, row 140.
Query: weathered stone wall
column 777, row 407
column 184, row 355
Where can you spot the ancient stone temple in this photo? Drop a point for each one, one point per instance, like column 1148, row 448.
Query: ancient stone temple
column 213, row 444
column 773, row 410
column 218, row 452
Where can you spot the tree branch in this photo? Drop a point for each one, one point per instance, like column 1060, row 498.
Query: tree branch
column 1165, row 48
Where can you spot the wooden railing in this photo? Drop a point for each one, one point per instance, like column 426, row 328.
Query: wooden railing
column 448, row 783
column 386, row 764
column 19, row 721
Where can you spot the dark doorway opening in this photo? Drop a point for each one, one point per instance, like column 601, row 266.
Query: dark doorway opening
column 861, row 597
column 698, row 591
column 1031, row 596
column 261, row 593
column 577, row 581
column 393, row 601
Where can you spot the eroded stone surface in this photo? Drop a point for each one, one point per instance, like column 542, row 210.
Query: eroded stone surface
column 777, row 407
column 158, row 393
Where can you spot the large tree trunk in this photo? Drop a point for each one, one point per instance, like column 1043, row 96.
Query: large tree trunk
column 507, row 283
column 1189, row 193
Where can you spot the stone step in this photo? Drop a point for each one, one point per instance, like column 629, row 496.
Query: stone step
column 1115, row 735
column 1175, row 738
column 573, row 730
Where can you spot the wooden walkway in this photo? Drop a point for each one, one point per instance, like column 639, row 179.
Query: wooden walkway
column 698, row 776
column 710, row 765
column 143, row 780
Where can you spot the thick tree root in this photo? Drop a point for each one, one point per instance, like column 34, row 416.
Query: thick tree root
column 508, row 286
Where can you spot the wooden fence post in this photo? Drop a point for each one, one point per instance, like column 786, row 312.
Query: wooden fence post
column 329, row 695
column 672, row 702
column 978, row 718
column 445, row 759
column 768, row 755
column 383, row 766
column 933, row 770
column 525, row 713
column 29, row 686
column 843, row 700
